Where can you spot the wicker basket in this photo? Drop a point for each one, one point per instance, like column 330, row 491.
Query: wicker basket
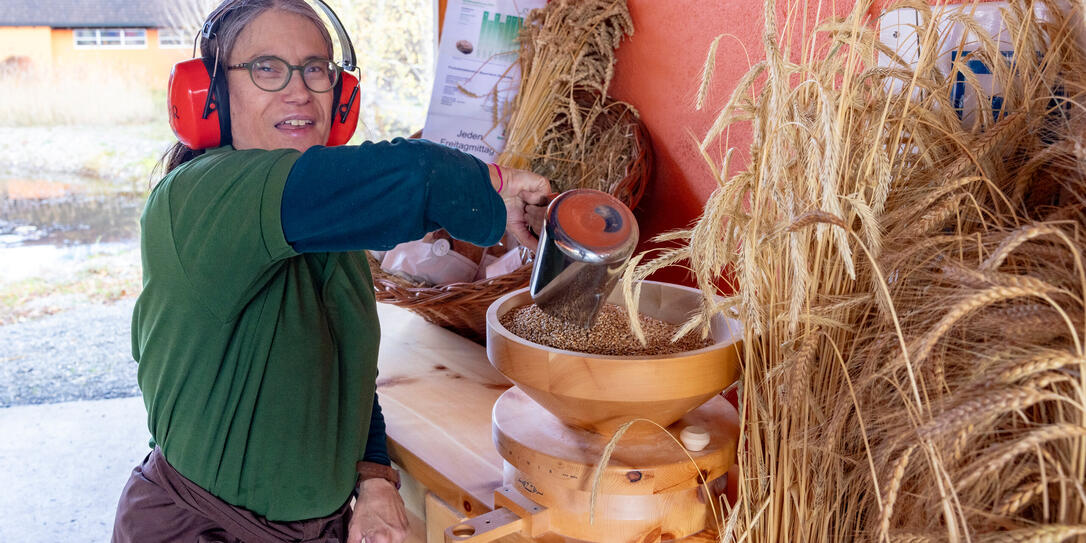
column 461, row 307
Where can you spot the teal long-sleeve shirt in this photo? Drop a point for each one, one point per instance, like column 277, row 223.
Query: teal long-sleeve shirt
column 256, row 333
column 414, row 187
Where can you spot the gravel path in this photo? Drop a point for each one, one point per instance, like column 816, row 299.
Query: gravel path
column 80, row 354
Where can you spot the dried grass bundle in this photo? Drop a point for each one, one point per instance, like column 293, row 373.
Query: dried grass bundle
column 914, row 291
column 563, row 125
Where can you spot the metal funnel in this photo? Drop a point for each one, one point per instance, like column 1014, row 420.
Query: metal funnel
column 588, row 236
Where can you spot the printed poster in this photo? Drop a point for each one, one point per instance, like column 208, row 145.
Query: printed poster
column 900, row 29
column 477, row 75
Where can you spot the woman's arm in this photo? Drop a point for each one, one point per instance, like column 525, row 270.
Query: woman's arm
column 377, row 195
column 379, row 514
column 376, row 444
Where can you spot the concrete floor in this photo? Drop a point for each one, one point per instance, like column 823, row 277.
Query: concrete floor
column 63, row 465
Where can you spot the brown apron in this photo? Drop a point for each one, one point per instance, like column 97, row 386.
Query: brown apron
column 160, row 504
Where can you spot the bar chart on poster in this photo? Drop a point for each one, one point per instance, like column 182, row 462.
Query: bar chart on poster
column 477, row 75
column 956, row 45
column 498, row 37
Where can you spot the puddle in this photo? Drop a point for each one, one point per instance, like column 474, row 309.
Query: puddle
column 66, row 213
column 48, row 226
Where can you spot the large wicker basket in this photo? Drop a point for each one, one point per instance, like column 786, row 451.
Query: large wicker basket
column 461, row 307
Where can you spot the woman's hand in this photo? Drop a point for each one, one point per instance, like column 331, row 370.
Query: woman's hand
column 521, row 190
column 379, row 515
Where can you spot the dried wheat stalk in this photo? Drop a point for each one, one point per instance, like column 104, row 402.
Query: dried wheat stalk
column 563, row 126
column 913, row 290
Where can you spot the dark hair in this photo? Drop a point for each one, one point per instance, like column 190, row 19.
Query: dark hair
column 238, row 15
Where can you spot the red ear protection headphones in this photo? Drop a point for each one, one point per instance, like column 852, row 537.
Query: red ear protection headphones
column 199, row 106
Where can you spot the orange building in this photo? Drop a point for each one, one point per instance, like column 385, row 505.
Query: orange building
column 129, row 36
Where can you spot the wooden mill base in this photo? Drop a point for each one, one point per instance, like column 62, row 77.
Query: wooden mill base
column 650, row 489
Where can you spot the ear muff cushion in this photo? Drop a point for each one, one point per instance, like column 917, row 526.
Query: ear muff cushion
column 345, row 99
column 186, row 96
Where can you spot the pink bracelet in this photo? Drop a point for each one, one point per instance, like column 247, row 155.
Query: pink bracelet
column 501, row 180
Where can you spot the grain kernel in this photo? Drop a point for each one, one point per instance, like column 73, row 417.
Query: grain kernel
column 610, row 335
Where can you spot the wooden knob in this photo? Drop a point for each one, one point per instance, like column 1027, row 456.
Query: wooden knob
column 694, row 438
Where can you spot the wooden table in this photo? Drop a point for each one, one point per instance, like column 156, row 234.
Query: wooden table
column 437, row 390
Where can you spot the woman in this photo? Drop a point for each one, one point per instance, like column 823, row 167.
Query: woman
column 256, row 332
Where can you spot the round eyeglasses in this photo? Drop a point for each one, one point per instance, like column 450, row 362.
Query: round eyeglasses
column 273, row 74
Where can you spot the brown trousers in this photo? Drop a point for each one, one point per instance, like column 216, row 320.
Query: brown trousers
column 159, row 504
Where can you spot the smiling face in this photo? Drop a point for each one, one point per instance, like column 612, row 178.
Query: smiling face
column 293, row 118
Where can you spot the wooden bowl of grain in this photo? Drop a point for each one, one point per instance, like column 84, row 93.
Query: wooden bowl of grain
column 600, row 392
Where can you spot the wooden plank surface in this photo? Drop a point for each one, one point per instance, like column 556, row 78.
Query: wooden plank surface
column 437, row 390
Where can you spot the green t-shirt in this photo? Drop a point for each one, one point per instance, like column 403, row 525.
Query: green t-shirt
column 228, row 329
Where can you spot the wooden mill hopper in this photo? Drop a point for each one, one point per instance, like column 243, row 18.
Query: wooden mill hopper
column 552, row 430
column 601, row 392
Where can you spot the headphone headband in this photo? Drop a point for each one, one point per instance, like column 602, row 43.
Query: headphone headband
column 345, row 44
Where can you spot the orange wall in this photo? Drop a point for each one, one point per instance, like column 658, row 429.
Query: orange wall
column 26, row 41
column 659, row 70
column 151, row 63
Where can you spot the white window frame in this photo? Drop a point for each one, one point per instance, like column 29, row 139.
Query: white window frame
column 95, row 39
column 183, row 41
